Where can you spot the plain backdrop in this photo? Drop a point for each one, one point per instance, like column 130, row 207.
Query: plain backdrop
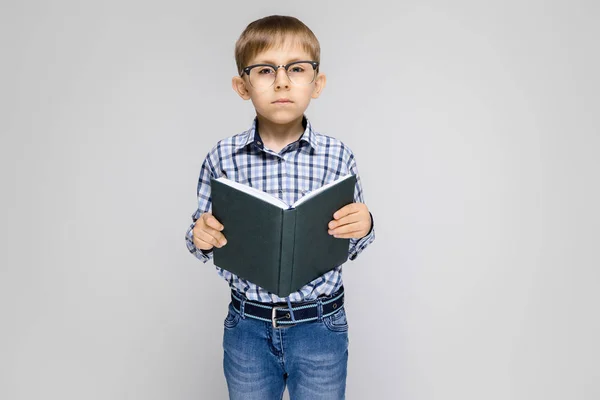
column 476, row 129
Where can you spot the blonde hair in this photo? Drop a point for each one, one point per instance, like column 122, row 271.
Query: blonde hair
column 273, row 31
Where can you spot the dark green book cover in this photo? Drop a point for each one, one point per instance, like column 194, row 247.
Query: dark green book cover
column 274, row 245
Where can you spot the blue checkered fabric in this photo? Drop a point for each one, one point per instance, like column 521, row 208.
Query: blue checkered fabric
column 302, row 166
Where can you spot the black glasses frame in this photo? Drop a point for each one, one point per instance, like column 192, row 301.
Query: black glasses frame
column 315, row 65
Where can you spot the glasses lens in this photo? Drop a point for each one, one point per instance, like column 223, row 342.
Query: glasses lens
column 262, row 76
column 299, row 74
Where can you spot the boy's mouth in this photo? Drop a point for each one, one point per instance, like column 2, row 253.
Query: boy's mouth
column 282, row 101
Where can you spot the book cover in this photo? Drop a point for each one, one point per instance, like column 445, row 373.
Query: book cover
column 277, row 246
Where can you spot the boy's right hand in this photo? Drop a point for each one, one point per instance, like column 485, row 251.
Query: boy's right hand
column 207, row 232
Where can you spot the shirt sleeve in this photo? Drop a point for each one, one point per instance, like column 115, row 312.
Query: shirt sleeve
column 207, row 171
column 358, row 245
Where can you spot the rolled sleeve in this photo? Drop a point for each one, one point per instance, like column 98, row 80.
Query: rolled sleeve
column 358, row 245
column 207, row 171
column 202, row 255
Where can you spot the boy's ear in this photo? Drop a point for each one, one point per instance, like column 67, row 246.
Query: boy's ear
column 320, row 81
column 239, row 85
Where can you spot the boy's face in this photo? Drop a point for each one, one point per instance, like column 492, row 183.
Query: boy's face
column 265, row 100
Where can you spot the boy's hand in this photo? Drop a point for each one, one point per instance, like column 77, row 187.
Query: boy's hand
column 351, row 222
column 207, row 232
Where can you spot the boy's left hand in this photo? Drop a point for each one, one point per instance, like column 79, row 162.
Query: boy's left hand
column 350, row 222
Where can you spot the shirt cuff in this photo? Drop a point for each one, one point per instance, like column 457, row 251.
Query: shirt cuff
column 202, row 255
column 358, row 245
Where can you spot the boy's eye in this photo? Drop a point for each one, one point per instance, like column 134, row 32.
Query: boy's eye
column 265, row 71
column 296, row 68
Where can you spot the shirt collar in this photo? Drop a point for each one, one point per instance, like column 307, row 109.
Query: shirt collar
column 308, row 136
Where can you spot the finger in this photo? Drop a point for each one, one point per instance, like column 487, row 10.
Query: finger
column 212, row 236
column 211, row 231
column 352, row 235
column 347, row 209
column 348, row 219
column 214, row 230
column 201, row 226
column 349, row 228
column 203, row 241
column 211, row 221
column 201, row 244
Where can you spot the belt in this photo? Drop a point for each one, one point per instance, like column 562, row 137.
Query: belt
column 279, row 315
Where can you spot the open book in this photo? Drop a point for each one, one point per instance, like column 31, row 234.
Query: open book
column 277, row 246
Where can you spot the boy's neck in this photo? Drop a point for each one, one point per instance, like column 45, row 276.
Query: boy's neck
column 277, row 136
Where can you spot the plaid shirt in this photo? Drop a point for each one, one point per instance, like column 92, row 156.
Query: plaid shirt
column 300, row 167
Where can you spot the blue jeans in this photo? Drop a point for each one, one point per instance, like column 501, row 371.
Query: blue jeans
column 311, row 358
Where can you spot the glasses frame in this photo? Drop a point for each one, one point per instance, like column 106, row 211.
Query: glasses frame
column 315, row 65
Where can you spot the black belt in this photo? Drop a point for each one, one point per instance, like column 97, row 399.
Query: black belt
column 279, row 314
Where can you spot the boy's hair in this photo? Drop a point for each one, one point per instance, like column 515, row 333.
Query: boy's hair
column 272, row 31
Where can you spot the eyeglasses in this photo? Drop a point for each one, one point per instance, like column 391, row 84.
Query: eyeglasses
column 262, row 76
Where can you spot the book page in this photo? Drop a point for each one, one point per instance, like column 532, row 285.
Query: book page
column 254, row 192
column 319, row 190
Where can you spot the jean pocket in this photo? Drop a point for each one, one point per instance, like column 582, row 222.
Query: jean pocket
column 232, row 318
column 337, row 322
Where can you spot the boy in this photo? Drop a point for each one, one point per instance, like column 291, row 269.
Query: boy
column 278, row 63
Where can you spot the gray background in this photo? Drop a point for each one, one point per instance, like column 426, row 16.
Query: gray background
column 475, row 125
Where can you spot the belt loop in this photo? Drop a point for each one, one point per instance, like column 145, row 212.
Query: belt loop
column 319, row 310
column 242, row 305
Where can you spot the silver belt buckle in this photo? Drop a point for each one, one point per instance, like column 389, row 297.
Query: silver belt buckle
column 273, row 314
column 274, row 322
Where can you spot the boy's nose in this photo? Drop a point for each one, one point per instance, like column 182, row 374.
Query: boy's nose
column 281, row 78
